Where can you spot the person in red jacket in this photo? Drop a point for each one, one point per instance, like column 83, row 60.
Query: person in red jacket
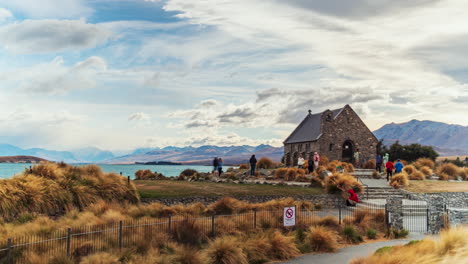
column 352, row 199
column 389, row 166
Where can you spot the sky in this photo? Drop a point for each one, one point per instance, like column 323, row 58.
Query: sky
column 118, row 74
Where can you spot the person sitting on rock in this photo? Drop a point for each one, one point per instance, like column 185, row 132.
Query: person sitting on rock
column 352, row 198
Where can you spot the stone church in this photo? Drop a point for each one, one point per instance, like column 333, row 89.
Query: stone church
column 336, row 134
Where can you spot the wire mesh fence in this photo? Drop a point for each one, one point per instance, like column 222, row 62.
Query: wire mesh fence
column 84, row 240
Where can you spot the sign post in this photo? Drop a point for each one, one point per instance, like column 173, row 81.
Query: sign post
column 289, row 216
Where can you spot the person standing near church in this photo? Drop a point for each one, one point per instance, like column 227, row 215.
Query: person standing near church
column 253, row 165
column 316, row 160
column 310, row 164
column 357, row 158
column 300, row 162
column 398, row 166
column 378, row 163
column 389, row 167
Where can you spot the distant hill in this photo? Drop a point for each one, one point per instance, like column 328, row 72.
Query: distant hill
column 448, row 140
column 201, row 155
column 20, row 159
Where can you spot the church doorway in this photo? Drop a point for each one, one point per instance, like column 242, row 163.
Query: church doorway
column 347, row 155
column 295, row 157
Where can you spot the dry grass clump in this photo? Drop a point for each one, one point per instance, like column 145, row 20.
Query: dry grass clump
column 409, row 169
column 265, row 163
column 188, row 231
column 148, row 175
column 244, row 166
column 342, row 180
column 228, row 205
column 281, row 173
column 370, row 164
column 452, row 247
column 417, row 175
column 375, row 175
column 282, row 247
column 51, row 188
column 450, row 169
column 189, row 255
column 464, row 173
column 316, row 182
column 443, row 177
column 399, row 180
column 257, row 248
column 100, row 258
column 321, row 239
column 323, row 160
column 426, row 171
column 421, row 162
column 226, row 250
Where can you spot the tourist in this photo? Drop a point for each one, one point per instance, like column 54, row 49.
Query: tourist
column 215, row 165
column 357, row 158
column 310, row 164
column 316, row 160
column 253, row 165
column 386, row 158
column 300, row 162
column 220, row 166
column 389, row 166
column 398, row 166
column 378, row 163
column 352, row 198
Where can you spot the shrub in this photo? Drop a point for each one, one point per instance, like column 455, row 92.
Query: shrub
column 188, row 231
column 100, row 258
column 464, row 173
column 449, row 169
column 188, row 255
column 291, row 174
column 257, row 249
column 443, row 177
column 348, row 167
column 316, row 182
column 188, row 173
column 225, row 250
column 409, row 169
column 342, row 180
column 395, row 233
column 371, row 233
column 228, row 205
column 329, row 221
column 281, row 173
column 375, row 175
column 426, row 171
column 265, row 163
column 244, row 166
column 323, row 160
column 282, row 247
column 370, row 164
column 351, row 234
column 424, row 162
column 148, row 175
column 417, row 175
column 321, row 239
column 399, row 180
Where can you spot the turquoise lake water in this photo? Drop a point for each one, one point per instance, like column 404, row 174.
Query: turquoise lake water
column 7, row 170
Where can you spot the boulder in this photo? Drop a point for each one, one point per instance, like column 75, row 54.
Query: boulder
column 325, row 173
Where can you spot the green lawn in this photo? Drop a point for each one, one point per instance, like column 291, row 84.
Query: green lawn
column 177, row 189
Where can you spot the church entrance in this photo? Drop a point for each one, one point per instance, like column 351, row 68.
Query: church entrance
column 347, row 155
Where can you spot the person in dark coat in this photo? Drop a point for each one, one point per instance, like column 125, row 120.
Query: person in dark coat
column 378, row 163
column 220, row 166
column 253, row 165
column 310, row 164
column 215, row 164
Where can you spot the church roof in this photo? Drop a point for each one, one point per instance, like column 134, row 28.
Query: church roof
column 309, row 129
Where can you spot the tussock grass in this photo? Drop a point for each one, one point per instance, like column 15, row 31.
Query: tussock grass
column 409, row 169
column 449, row 169
column 189, row 255
column 226, row 250
column 323, row 160
column 330, row 222
column 399, row 180
column 351, row 235
column 342, row 180
column 316, row 182
column 281, row 173
column 424, row 162
column 265, row 163
column 244, row 166
column 148, row 175
column 426, row 171
column 321, row 239
column 282, row 247
column 370, row 164
column 444, row 177
column 417, row 175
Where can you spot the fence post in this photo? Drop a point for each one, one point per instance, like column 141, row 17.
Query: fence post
column 9, row 251
column 169, row 224
column 120, row 173
column 68, row 240
column 427, row 220
column 128, row 180
column 339, row 213
column 213, row 225
column 120, row 234
column 255, row 217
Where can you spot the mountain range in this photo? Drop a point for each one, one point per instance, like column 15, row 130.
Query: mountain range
column 447, row 139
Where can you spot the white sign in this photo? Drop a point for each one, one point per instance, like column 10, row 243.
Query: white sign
column 289, row 216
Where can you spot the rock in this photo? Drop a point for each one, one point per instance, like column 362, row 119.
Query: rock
column 324, row 174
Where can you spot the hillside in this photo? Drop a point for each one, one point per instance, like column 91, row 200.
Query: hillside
column 20, row 159
column 446, row 138
column 202, row 155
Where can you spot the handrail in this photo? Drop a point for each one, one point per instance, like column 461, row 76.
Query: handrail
column 367, row 188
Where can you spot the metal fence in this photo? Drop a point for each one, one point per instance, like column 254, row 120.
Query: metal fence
column 83, row 240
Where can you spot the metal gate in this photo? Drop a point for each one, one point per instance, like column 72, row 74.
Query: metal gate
column 415, row 216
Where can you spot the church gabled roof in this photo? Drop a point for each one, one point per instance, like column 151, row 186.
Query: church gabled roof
column 309, row 129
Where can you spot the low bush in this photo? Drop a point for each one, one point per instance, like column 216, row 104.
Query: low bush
column 424, row 162
column 417, row 175
column 426, row 171
column 188, row 231
column 375, row 175
column 336, row 181
column 370, row 164
column 188, row 173
column 265, row 163
column 449, row 169
column 316, row 182
column 409, row 169
column 371, row 233
column 399, row 180
column 323, row 161
column 148, row 175
column 329, row 221
column 282, row 247
column 443, row 177
column 321, row 239
column 244, row 166
column 281, row 173
column 351, row 235
column 395, row 233
column 226, row 250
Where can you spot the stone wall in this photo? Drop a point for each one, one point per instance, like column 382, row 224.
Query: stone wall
column 325, row 200
column 451, row 199
column 457, row 216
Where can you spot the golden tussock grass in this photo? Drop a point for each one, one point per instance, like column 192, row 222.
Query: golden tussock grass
column 330, row 222
column 342, row 180
column 409, row 169
column 100, row 258
column 189, row 255
column 281, row 173
column 449, row 169
column 421, row 162
column 426, row 171
column 265, row 163
column 323, row 160
column 321, row 238
column 451, row 247
column 257, row 248
column 148, row 175
column 226, row 250
column 370, row 164
column 282, row 247
column 444, row 177
column 244, row 166
column 417, row 175
column 399, row 180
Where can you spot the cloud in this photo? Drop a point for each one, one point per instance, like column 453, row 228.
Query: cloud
column 140, row 116
column 50, row 35
column 49, row 8
column 5, row 14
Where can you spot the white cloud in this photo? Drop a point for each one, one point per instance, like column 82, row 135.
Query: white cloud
column 140, row 116
column 5, row 14
column 49, row 8
column 50, row 35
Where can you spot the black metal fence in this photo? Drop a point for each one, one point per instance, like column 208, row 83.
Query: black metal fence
column 83, row 240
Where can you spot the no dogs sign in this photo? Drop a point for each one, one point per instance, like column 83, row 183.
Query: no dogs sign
column 289, row 216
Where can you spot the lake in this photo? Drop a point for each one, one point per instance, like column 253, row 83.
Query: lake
column 7, row 170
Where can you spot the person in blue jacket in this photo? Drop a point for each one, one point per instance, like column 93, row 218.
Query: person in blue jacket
column 398, row 166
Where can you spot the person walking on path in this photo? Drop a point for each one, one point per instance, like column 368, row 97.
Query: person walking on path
column 378, row 163
column 316, row 160
column 253, row 165
column 357, row 158
column 300, row 162
column 215, row 165
column 220, row 166
column 310, row 164
column 389, row 167
column 398, row 166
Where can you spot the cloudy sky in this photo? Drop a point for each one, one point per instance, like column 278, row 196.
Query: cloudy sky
column 121, row 74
